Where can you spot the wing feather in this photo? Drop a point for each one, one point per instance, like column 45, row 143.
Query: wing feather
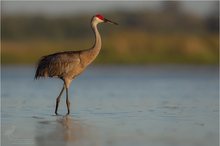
column 57, row 64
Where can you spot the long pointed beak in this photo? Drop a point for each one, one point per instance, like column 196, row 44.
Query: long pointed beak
column 109, row 21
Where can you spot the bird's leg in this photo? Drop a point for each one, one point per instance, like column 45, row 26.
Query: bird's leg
column 58, row 100
column 67, row 102
column 67, row 84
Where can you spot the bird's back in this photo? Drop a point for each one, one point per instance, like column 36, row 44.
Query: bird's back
column 60, row 64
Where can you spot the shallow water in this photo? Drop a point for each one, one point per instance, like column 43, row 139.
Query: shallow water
column 113, row 106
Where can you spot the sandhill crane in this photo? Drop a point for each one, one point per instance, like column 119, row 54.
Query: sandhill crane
column 67, row 65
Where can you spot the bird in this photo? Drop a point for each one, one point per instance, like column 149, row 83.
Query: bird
column 68, row 65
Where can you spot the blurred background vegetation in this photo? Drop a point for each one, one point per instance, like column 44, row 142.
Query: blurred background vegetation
column 167, row 35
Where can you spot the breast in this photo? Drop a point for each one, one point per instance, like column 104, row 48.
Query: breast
column 72, row 65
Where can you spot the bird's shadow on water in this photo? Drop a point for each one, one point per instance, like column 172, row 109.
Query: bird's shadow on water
column 63, row 130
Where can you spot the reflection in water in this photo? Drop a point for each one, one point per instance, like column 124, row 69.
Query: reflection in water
column 72, row 130
column 64, row 131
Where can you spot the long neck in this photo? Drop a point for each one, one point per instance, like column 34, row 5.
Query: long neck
column 98, row 42
column 89, row 55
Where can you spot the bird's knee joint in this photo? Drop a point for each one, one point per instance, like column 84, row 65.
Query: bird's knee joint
column 67, row 102
column 58, row 100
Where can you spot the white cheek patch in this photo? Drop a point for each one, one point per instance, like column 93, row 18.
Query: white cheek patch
column 98, row 20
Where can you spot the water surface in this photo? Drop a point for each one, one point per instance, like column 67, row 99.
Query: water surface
column 113, row 106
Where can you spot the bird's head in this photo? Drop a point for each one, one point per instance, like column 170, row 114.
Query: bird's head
column 100, row 19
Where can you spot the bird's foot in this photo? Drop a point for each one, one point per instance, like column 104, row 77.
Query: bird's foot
column 56, row 114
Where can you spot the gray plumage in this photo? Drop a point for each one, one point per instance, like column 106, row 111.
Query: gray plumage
column 67, row 65
column 58, row 64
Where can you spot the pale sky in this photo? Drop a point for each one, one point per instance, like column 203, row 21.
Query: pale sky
column 54, row 8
